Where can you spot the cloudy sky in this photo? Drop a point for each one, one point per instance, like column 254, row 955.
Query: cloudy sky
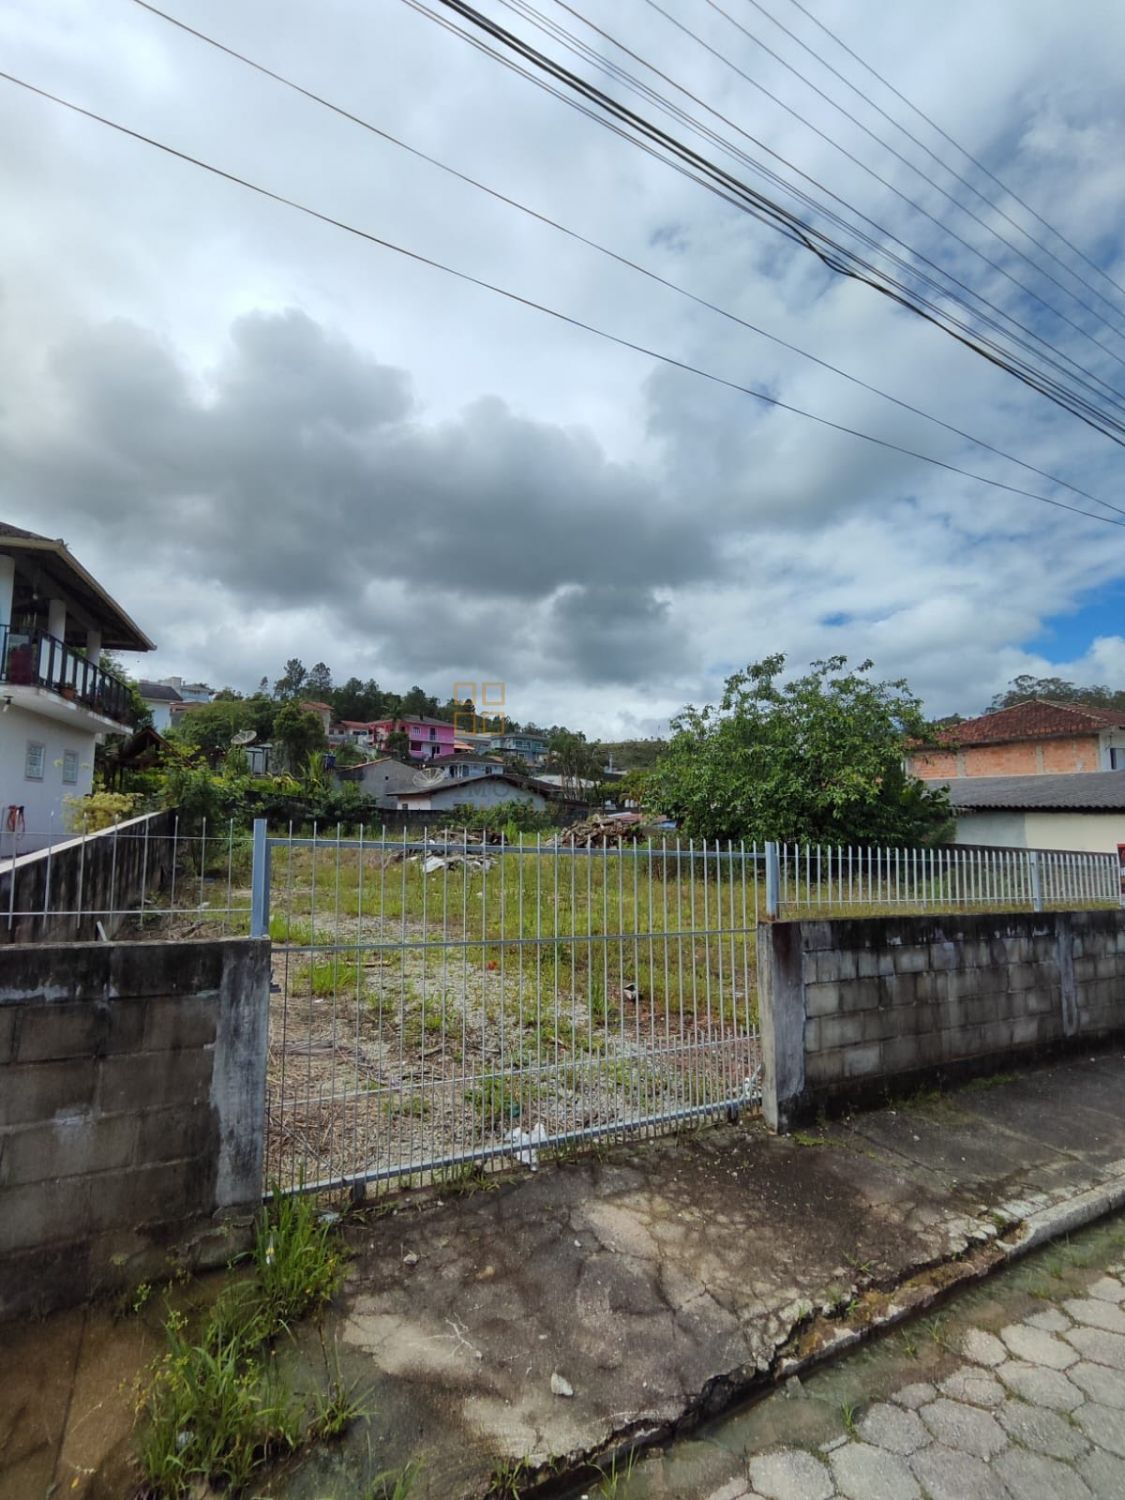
column 270, row 438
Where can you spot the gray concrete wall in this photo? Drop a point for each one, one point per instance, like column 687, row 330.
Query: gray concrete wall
column 60, row 894
column 132, row 1100
column 852, row 1011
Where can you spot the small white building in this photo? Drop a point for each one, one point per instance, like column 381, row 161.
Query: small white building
column 55, row 697
column 1083, row 811
column 159, row 699
column 476, row 791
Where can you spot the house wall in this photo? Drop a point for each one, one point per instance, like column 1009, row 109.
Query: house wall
column 132, row 1107
column 1091, row 833
column 855, row 1011
column 1025, row 758
column 161, row 711
column 43, row 801
column 481, row 791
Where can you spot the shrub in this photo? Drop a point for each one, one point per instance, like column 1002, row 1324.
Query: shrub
column 99, row 810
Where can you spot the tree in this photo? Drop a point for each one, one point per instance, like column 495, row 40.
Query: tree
column 1058, row 691
column 292, row 681
column 574, row 760
column 299, row 735
column 211, row 726
column 397, row 745
column 818, row 759
column 318, row 681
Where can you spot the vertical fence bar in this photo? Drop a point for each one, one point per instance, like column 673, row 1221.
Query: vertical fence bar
column 773, row 881
column 260, row 881
column 1035, row 880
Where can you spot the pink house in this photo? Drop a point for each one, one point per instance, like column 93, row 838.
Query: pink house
column 427, row 737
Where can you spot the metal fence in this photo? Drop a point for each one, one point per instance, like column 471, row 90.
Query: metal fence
column 444, row 1004
column 806, row 878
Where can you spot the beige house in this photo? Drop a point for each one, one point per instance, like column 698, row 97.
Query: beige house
column 1084, row 813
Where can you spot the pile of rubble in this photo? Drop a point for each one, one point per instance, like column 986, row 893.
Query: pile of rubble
column 598, row 832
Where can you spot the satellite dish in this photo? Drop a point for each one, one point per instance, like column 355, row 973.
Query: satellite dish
column 431, row 776
column 244, row 737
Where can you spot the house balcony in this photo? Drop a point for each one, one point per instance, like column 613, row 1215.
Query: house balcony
column 41, row 673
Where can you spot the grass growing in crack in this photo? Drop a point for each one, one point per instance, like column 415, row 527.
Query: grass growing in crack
column 609, row 1485
column 214, row 1410
column 848, row 1413
column 507, row 1480
column 395, row 1484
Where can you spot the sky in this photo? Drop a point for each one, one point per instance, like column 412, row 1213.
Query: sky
column 271, row 438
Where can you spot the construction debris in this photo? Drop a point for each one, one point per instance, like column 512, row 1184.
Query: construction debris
column 601, row 832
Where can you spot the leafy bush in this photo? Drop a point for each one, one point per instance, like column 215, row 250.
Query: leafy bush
column 99, row 810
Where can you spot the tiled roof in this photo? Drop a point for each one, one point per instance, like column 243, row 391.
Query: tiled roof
column 6, row 529
column 1034, row 719
column 158, row 692
column 1082, row 791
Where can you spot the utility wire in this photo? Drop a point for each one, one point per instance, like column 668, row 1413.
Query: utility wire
column 906, row 162
column 624, row 260
column 988, row 202
column 850, row 156
column 829, row 251
column 957, row 147
column 905, row 295
column 541, row 307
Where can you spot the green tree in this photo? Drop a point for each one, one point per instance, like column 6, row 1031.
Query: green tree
column 291, row 683
column 397, row 745
column 318, row 682
column 1057, row 690
column 298, row 734
column 816, row 759
column 572, row 758
column 212, row 726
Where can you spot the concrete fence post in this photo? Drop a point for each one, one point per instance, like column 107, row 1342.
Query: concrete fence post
column 260, row 882
column 773, row 881
column 1035, row 879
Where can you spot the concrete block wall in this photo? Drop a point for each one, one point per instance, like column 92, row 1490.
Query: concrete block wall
column 132, row 1099
column 854, row 1009
column 59, row 895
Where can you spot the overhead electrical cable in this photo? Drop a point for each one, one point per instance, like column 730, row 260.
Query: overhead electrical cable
column 897, row 154
column 989, row 202
column 520, row 5
column 968, row 155
column 562, row 317
column 833, row 254
column 624, row 260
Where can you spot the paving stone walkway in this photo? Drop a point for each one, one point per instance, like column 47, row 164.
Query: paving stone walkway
column 1034, row 1411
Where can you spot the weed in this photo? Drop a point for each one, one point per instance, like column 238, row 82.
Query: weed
column 462, row 1182
column 214, row 1414
column 994, row 1081
column 395, row 1484
column 507, row 1479
column 336, row 1409
column 802, row 1138
column 848, row 1411
column 495, row 1103
column 141, row 1295
column 298, row 1262
column 612, row 1480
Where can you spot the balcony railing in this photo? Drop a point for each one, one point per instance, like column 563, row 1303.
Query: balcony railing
column 32, row 658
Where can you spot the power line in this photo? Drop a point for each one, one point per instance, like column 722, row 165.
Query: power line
column 387, row 136
column 850, row 156
column 551, row 312
column 906, row 162
column 965, row 153
column 830, row 251
column 990, row 203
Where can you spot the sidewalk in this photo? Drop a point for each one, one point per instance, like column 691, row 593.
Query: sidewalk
column 563, row 1313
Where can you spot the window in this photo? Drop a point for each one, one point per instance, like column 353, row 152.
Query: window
column 1116, row 759
column 34, row 761
column 70, row 768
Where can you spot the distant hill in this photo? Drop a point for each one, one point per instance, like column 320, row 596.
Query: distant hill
column 630, row 755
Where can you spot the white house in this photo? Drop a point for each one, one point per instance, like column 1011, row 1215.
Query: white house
column 159, row 698
column 477, row 791
column 1084, row 812
column 55, row 698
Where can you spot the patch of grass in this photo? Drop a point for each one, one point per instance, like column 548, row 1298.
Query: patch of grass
column 214, row 1414
column 495, row 1103
column 849, row 1410
column 507, row 1480
column 804, row 1139
column 993, row 1081
column 336, row 1409
column 609, row 1485
column 214, row 1409
column 395, row 1484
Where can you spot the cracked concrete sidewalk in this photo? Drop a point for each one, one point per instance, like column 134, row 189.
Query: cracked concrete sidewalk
column 663, row 1279
column 657, row 1282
